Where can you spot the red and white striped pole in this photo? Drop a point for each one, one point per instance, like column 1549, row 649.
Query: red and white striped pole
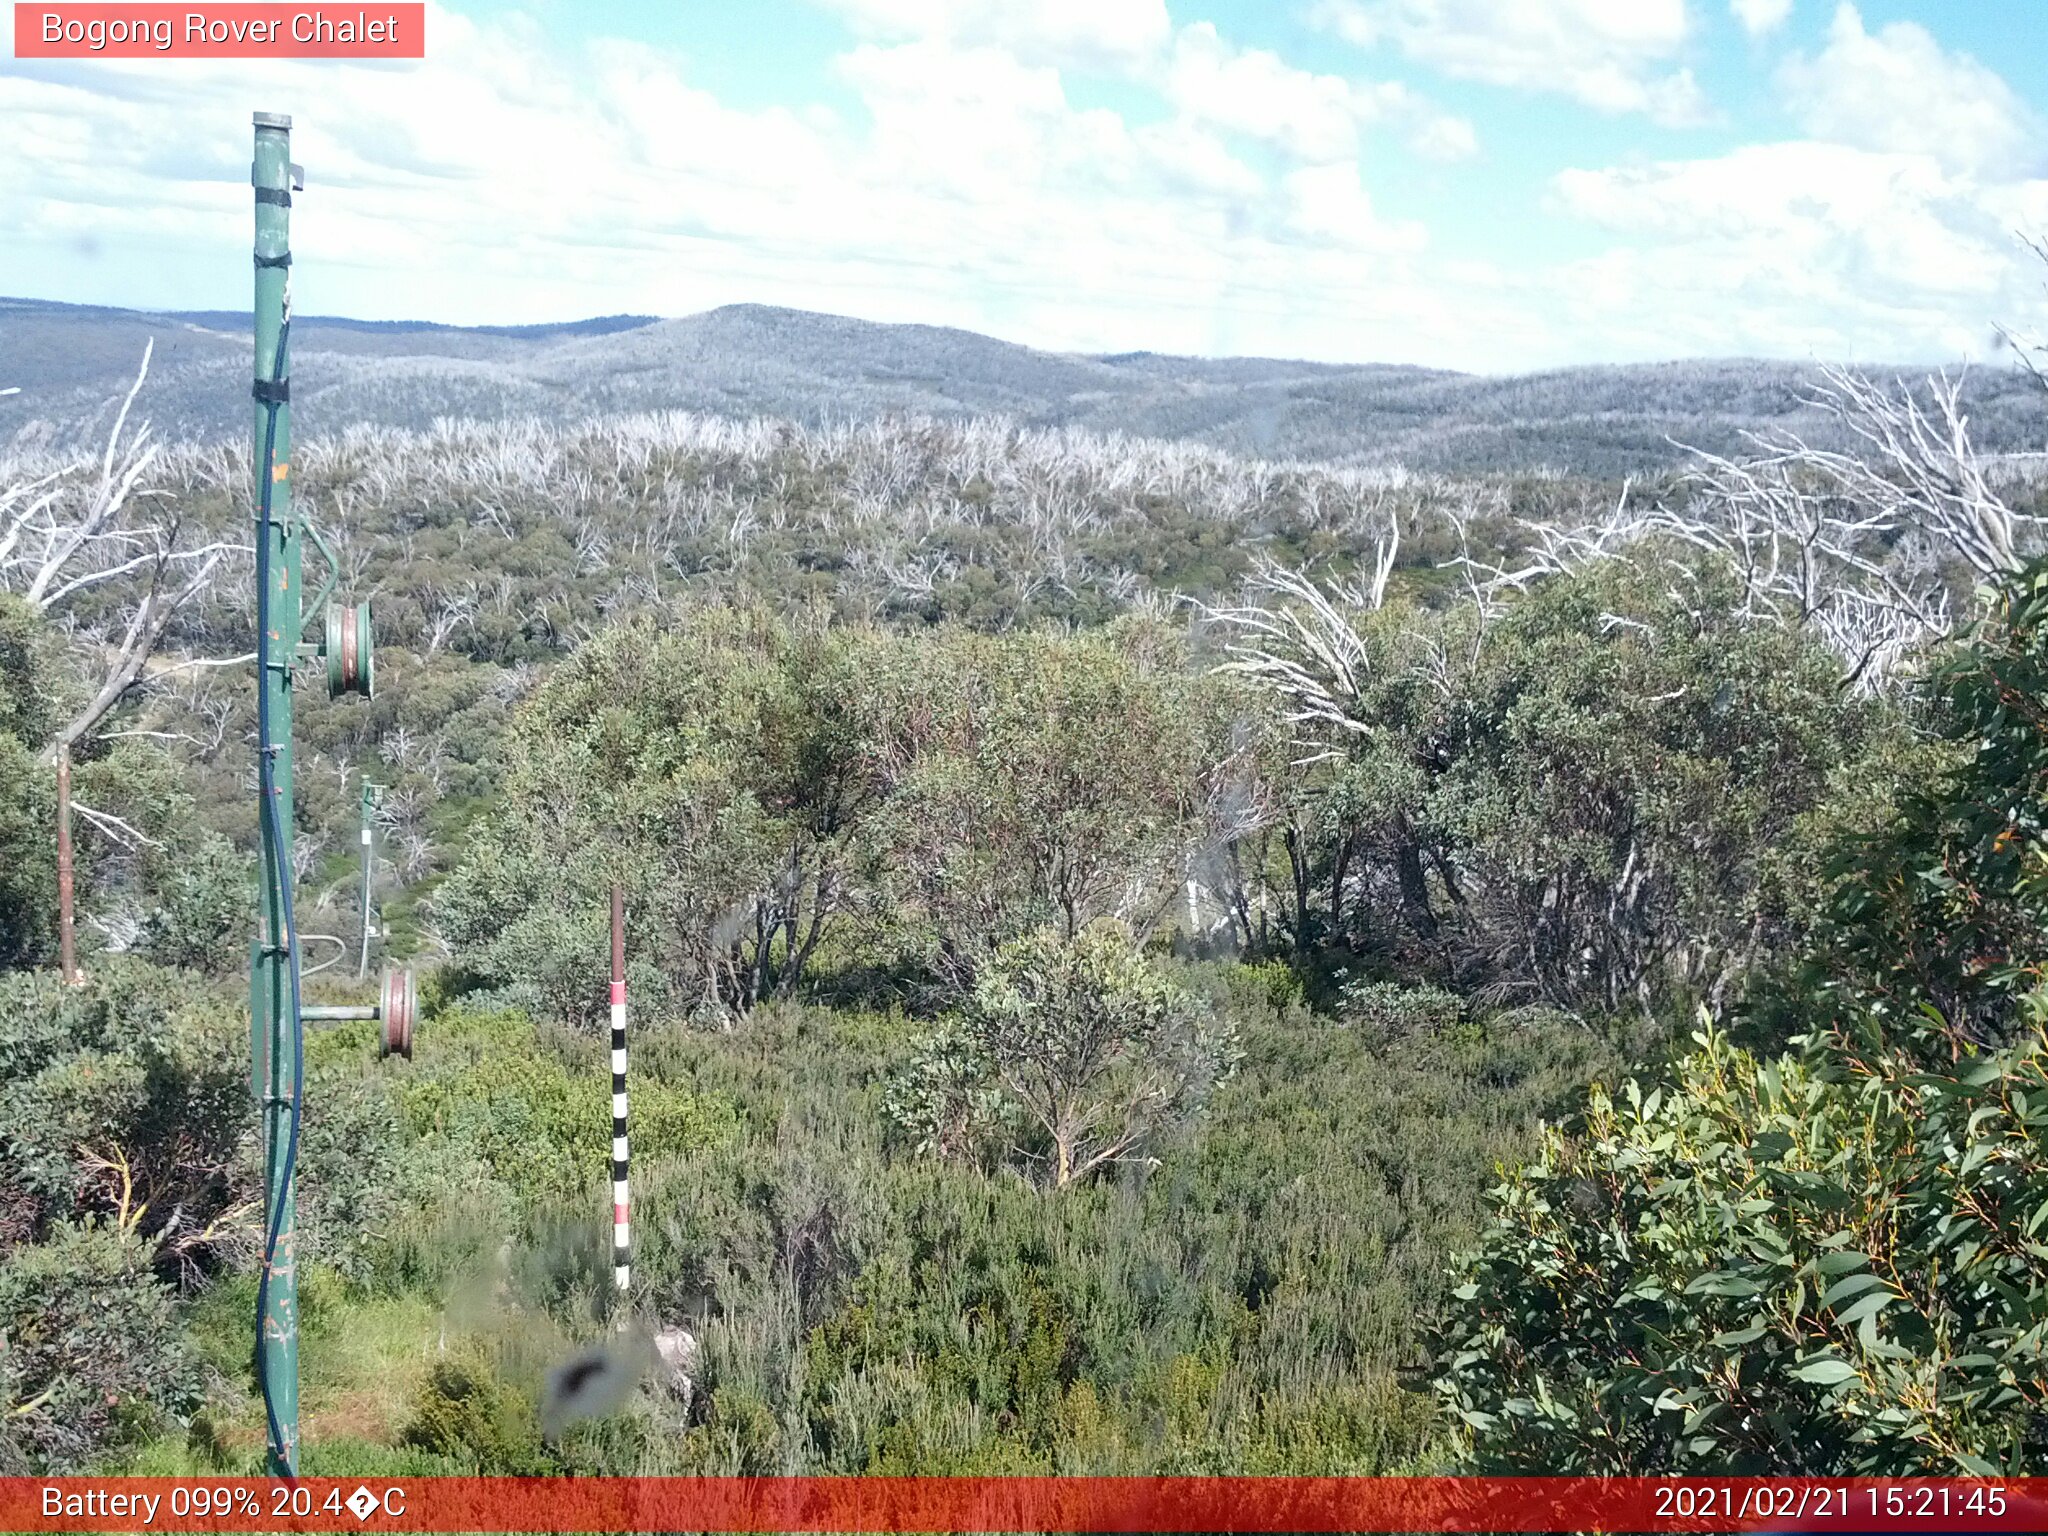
column 622, row 1263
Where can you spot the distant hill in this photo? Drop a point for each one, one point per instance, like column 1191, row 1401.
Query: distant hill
column 748, row 359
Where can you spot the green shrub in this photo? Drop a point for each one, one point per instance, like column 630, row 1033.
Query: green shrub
column 203, row 901
column 465, row 1415
column 1830, row 1261
column 1945, row 905
column 1398, row 1010
column 360, row 1171
column 1821, row 1266
column 91, row 1355
column 535, row 1121
column 1082, row 1040
column 131, row 1088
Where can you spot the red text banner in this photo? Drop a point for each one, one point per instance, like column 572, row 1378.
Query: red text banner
column 1024, row 1504
column 217, row 31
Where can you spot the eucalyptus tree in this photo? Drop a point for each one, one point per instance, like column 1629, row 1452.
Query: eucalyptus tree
column 709, row 762
column 1819, row 1256
column 1073, row 1051
column 95, row 564
column 1042, row 779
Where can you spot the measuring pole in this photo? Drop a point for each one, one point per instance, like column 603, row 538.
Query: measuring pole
column 368, row 839
column 275, row 1027
column 622, row 1262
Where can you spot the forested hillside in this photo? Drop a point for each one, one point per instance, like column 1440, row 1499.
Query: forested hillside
column 827, row 370
column 1144, row 959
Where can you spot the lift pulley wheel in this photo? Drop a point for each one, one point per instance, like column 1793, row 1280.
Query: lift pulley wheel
column 399, row 1006
column 349, row 650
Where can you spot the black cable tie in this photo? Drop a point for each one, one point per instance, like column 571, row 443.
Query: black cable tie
column 272, row 391
column 277, row 195
column 273, row 261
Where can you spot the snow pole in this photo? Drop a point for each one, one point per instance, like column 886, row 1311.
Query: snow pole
column 622, row 1263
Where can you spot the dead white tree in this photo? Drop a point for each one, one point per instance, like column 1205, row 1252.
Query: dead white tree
column 83, row 529
column 1866, row 548
column 78, row 528
column 1297, row 639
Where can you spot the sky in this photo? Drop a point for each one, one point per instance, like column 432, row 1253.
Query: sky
column 1493, row 185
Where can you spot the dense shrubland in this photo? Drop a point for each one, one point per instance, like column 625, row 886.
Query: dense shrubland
column 1103, row 915
column 1822, row 1254
column 1613, row 796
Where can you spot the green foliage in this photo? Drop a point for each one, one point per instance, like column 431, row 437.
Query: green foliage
column 945, row 1099
column 1793, row 1266
column 1080, row 1039
column 1387, row 1005
column 28, row 853
column 537, row 1118
column 129, row 1096
column 755, row 782
column 1038, row 780
column 165, row 879
column 91, row 1355
column 203, row 901
column 1946, row 905
column 26, row 661
column 28, row 857
column 1244, row 1306
column 1601, row 798
column 906, row 787
column 467, row 1416
column 359, row 1171
column 1632, row 760
column 710, row 766
column 1831, row 1261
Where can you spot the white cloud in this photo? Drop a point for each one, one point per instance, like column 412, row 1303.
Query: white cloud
column 1821, row 213
column 1313, row 117
column 1899, row 89
column 1328, row 203
column 505, row 178
column 1084, row 33
column 508, row 178
column 1253, row 92
column 1805, row 246
column 1759, row 18
column 1613, row 55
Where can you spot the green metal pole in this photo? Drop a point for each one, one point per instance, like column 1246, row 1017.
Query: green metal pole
column 275, row 1037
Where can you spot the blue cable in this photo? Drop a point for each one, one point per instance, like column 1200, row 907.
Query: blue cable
column 266, row 775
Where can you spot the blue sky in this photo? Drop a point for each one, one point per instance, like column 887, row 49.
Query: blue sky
column 1461, row 183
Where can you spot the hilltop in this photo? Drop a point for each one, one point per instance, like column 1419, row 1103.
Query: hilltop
column 746, row 360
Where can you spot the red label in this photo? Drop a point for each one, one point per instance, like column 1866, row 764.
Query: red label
column 263, row 31
column 904, row 1504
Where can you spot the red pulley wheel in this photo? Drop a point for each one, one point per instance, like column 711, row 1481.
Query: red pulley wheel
column 398, row 1008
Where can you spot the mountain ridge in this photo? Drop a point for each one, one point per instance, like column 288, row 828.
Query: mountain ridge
column 754, row 359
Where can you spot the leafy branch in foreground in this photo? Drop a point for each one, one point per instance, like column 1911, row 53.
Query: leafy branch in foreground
column 1809, row 1265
